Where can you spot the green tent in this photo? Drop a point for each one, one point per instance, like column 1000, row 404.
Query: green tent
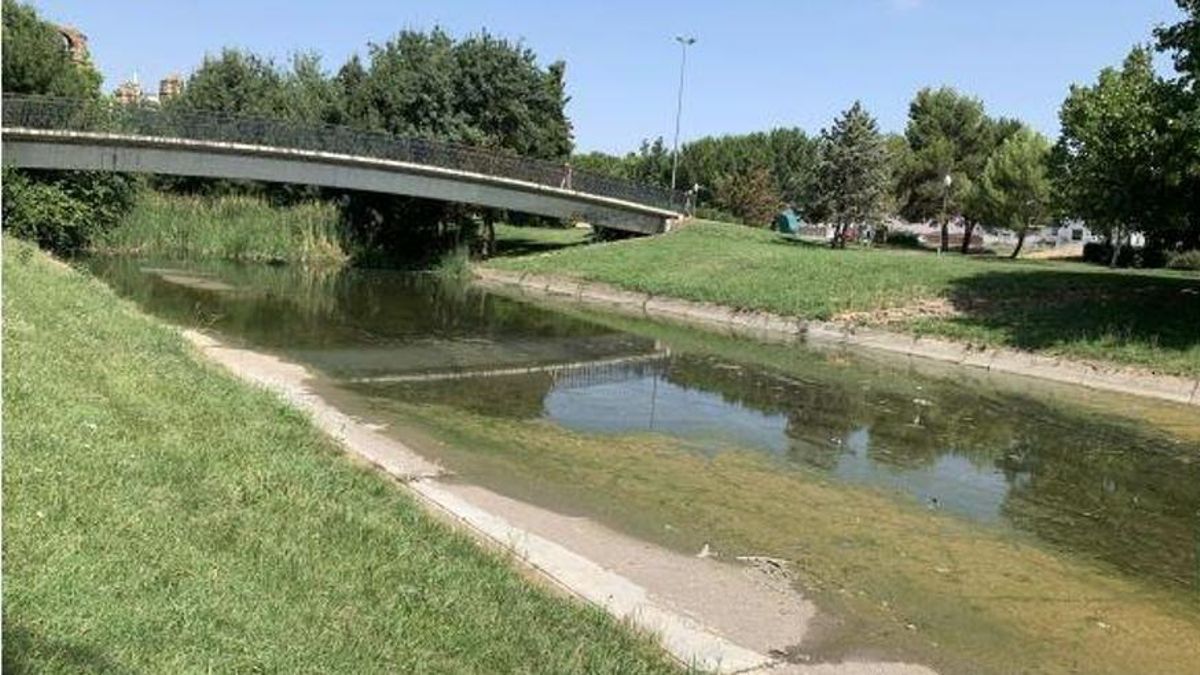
column 787, row 222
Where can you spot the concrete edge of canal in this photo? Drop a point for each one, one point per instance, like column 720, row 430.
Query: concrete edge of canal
column 774, row 327
column 706, row 614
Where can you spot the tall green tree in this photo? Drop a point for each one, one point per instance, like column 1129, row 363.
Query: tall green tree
column 1182, row 40
column 355, row 107
column 751, row 195
column 238, row 82
column 975, row 206
column 789, row 157
column 411, row 86
column 36, row 60
column 1015, row 188
column 313, row 97
column 949, row 136
column 1110, row 160
column 853, row 178
column 788, row 154
column 507, row 101
column 1182, row 100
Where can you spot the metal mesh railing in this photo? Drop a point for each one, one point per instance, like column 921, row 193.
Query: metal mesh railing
column 41, row 112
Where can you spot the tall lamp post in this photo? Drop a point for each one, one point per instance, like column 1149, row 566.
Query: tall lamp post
column 947, row 181
column 684, row 43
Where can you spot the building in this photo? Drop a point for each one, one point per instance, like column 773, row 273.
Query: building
column 128, row 92
column 1077, row 233
column 170, row 87
column 75, row 42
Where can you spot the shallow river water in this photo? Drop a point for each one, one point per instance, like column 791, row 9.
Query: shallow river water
column 941, row 514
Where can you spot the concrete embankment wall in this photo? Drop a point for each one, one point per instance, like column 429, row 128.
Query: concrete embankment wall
column 763, row 325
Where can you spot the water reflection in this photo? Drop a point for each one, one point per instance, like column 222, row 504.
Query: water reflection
column 1118, row 491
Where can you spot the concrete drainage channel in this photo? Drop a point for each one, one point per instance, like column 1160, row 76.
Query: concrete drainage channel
column 709, row 615
column 772, row 326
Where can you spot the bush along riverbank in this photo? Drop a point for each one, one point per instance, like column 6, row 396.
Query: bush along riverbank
column 160, row 516
column 1144, row 319
column 231, row 227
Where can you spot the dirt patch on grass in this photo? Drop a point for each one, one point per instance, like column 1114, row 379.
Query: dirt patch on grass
column 936, row 308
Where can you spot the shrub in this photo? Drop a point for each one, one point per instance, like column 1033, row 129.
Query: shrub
column 64, row 211
column 1186, row 260
column 903, row 240
column 713, row 213
column 1096, row 252
column 1101, row 254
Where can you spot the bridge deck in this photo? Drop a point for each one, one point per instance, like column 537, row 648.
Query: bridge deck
column 62, row 134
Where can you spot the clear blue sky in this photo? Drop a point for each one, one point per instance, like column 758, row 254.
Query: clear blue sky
column 757, row 64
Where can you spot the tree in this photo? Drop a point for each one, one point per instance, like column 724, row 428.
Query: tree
column 312, row 96
column 948, row 136
column 899, row 156
column 1182, row 40
column 751, row 195
column 651, row 164
column 355, row 107
column 60, row 210
column 36, row 60
column 1182, row 100
column 237, row 82
column 788, row 154
column 853, row 176
column 411, row 86
column 507, row 101
column 1015, row 187
column 1109, row 160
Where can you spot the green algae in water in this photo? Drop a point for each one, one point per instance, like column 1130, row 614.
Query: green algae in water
column 1007, row 522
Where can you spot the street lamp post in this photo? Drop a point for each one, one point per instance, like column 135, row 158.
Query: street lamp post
column 947, row 181
column 684, row 43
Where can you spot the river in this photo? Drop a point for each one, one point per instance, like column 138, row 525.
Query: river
column 977, row 523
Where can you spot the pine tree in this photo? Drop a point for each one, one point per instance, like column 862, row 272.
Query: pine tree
column 854, row 176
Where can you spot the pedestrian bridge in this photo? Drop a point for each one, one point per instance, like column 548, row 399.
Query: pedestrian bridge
column 53, row 133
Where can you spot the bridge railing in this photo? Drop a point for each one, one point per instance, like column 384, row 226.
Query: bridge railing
column 50, row 113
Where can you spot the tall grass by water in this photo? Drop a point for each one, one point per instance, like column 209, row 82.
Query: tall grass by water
column 232, row 227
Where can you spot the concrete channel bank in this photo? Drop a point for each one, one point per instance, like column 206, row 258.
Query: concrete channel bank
column 763, row 325
column 710, row 615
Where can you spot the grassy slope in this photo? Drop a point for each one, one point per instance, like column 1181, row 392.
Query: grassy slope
column 1140, row 318
column 160, row 516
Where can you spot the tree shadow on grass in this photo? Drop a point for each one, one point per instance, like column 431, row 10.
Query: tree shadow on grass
column 817, row 244
column 27, row 652
column 513, row 247
column 1037, row 308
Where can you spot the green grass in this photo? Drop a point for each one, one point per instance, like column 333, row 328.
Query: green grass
column 160, row 516
column 1139, row 318
column 234, row 227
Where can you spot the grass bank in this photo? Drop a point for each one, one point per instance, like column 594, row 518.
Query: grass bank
column 160, row 516
column 234, row 227
column 1136, row 318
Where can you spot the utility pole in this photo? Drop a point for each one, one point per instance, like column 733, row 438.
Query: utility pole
column 684, row 43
